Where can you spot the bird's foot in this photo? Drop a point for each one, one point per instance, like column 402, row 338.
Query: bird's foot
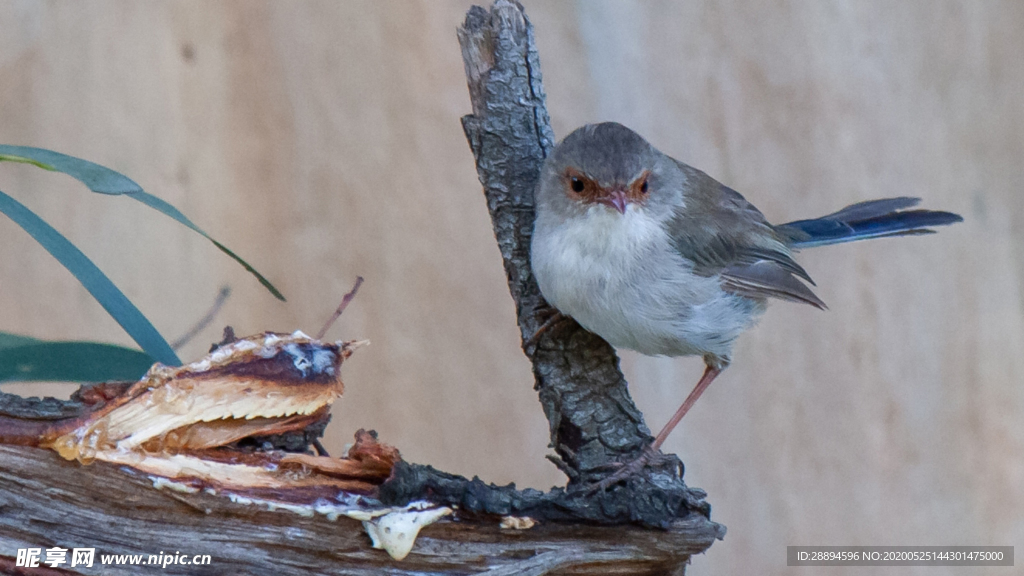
column 554, row 318
column 624, row 470
column 544, row 310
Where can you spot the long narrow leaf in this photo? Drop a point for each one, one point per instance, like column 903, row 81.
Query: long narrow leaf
column 163, row 206
column 71, row 362
column 23, row 160
column 101, row 288
column 106, row 181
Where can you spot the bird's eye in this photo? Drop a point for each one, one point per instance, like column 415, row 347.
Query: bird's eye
column 576, row 184
column 643, row 186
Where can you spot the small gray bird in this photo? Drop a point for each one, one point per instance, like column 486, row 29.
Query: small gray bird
column 658, row 257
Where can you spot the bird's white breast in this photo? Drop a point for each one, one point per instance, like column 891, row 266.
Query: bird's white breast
column 619, row 276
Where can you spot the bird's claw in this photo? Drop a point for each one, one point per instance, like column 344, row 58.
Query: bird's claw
column 554, row 317
column 623, row 470
column 544, row 310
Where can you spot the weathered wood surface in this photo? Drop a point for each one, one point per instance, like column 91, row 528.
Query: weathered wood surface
column 47, row 501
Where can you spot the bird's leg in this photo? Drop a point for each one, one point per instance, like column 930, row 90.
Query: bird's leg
column 710, row 373
column 652, row 453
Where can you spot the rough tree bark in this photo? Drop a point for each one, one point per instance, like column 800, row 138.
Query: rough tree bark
column 650, row 524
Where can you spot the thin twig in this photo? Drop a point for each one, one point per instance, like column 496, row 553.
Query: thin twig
column 341, row 308
column 218, row 303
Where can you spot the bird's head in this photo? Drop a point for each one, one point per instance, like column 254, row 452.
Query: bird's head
column 605, row 166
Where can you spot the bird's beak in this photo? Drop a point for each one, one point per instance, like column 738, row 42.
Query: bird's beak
column 617, row 199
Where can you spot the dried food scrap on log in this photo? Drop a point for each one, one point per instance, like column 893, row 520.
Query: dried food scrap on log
column 218, row 426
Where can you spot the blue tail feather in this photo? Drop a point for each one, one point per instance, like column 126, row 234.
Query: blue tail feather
column 871, row 219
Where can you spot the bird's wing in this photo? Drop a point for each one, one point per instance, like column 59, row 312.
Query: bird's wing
column 724, row 235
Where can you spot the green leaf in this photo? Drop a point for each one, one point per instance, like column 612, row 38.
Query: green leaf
column 106, row 181
column 101, row 288
column 22, row 159
column 71, row 362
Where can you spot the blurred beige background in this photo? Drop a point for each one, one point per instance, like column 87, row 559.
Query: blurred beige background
column 321, row 140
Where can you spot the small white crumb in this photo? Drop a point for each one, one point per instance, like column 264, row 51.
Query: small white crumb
column 160, row 483
column 517, row 523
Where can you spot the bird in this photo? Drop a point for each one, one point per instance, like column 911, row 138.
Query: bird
column 656, row 256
